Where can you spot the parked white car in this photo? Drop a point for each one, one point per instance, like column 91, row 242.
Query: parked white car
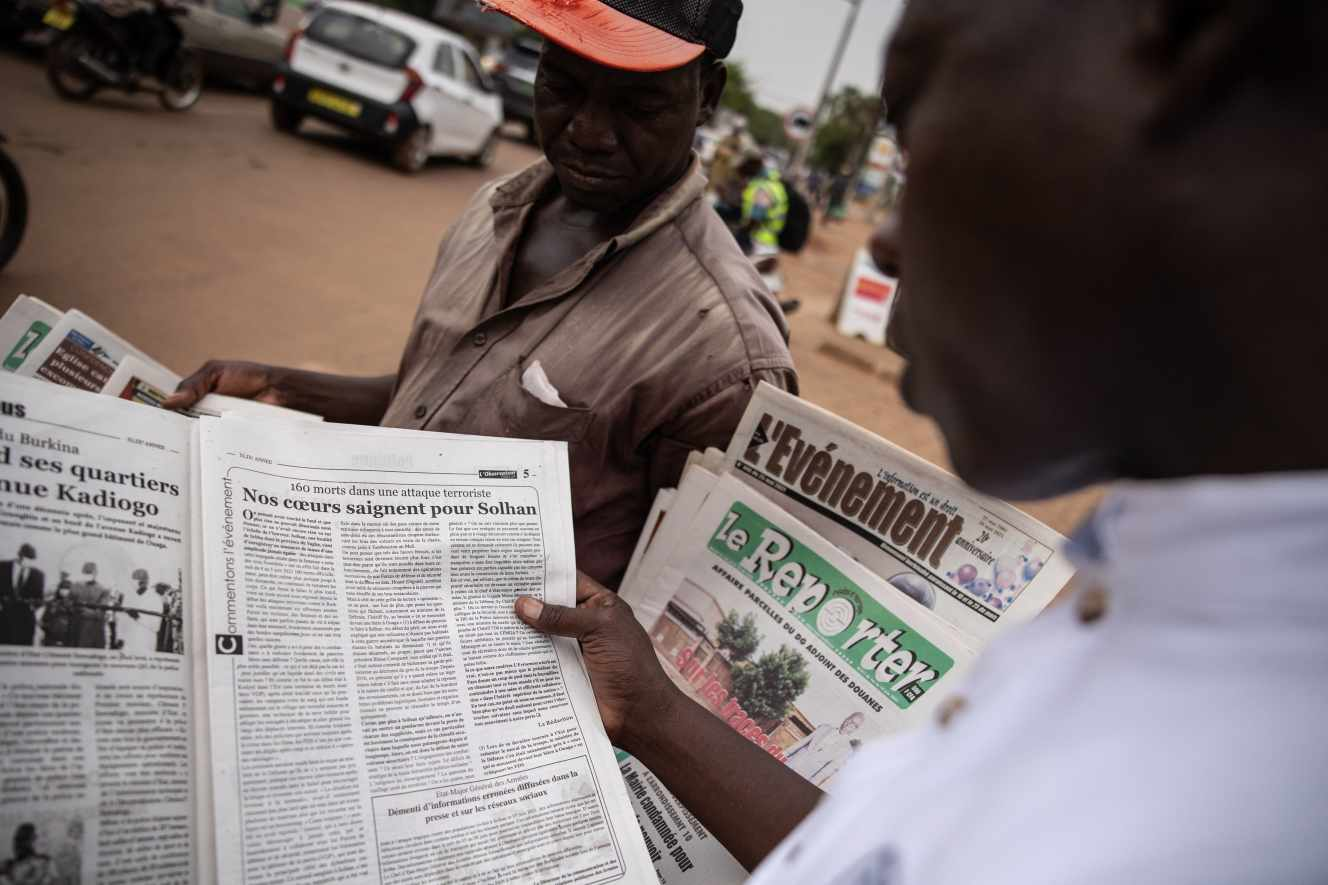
column 410, row 84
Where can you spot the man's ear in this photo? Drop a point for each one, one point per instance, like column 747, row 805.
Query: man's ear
column 714, row 77
column 1199, row 50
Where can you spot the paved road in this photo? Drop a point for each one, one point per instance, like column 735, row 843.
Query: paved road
column 207, row 233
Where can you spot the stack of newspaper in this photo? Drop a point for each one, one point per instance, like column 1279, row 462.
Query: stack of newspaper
column 817, row 587
column 73, row 350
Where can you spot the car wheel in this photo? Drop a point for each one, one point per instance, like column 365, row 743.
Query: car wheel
column 484, row 158
column 285, row 119
column 411, row 154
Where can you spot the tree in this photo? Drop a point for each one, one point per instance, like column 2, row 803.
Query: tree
column 767, row 688
column 739, row 638
column 850, row 120
column 766, row 126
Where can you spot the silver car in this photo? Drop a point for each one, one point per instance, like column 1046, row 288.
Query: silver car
column 239, row 43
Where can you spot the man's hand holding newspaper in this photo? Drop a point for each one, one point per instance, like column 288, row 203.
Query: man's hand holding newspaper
column 720, row 776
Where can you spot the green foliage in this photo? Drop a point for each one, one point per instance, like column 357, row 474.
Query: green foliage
column 767, row 688
column 849, row 122
column 766, row 126
column 739, row 638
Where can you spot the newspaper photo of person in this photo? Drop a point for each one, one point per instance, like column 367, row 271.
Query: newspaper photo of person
column 819, row 756
column 91, row 609
column 22, row 587
column 41, row 850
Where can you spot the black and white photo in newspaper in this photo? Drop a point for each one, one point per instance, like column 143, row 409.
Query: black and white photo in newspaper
column 95, row 588
column 378, row 714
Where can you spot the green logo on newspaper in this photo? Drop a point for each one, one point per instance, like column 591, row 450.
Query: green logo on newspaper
column 872, row 640
column 30, row 339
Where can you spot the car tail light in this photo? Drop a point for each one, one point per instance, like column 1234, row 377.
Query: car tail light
column 413, row 84
column 290, row 44
column 391, row 124
column 278, row 84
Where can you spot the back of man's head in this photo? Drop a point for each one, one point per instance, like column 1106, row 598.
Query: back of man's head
column 1112, row 233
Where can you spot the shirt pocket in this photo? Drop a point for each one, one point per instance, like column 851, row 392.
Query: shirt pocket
column 522, row 416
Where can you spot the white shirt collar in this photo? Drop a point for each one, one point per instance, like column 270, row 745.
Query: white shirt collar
column 1247, row 546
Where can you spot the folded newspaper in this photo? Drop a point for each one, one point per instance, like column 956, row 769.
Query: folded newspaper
column 285, row 651
column 73, row 350
column 817, row 587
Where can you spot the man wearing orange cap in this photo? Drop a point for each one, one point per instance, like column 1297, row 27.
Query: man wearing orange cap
column 593, row 297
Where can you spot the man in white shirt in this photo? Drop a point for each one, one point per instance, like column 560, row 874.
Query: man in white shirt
column 819, row 756
column 1113, row 237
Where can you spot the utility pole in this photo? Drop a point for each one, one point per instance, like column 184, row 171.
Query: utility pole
column 854, row 7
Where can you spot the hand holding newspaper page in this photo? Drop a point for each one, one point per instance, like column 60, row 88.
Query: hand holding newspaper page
column 793, row 644
column 977, row 562
column 378, row 714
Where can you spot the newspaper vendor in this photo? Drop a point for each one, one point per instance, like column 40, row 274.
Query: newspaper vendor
column 593, row 297
column 1096, row 190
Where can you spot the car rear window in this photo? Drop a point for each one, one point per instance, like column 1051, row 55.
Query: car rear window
column 361, row 38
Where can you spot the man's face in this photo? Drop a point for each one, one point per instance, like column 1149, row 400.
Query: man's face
column 616, row 138
column 1019, row 234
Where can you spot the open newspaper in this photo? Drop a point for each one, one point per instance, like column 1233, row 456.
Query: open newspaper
column 285, row 652
column 816, row 588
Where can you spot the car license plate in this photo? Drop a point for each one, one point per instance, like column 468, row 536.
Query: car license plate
column 334, row 102
column 60, row 19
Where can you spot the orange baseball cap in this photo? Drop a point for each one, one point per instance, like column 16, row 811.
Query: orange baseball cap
column 632, row 35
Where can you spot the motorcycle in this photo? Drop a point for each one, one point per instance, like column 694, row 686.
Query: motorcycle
column 96, row 50
column 13, row 207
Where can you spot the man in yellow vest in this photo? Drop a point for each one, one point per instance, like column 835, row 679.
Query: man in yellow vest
column 765, row 205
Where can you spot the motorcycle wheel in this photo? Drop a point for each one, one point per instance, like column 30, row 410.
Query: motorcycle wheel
column 13, row 208
column 184, row 82
column 63, row 72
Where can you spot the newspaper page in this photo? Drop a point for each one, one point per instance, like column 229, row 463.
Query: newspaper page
column 795, row 645
column 640, row 588
column 23, row 327
column 658, row 511
column 979, row 563
column 80, row 352
column 378, row 714
column 94, row 599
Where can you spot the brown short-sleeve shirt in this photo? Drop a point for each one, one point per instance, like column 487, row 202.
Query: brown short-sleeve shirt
column 655, row 341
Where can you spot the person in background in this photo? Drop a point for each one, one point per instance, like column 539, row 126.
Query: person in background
column 836, row 200
column 765, row 207
column 1168, row 725
column 728, row 155
column 601, row 268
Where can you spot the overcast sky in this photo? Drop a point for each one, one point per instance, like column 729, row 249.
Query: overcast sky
column 787, row 46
